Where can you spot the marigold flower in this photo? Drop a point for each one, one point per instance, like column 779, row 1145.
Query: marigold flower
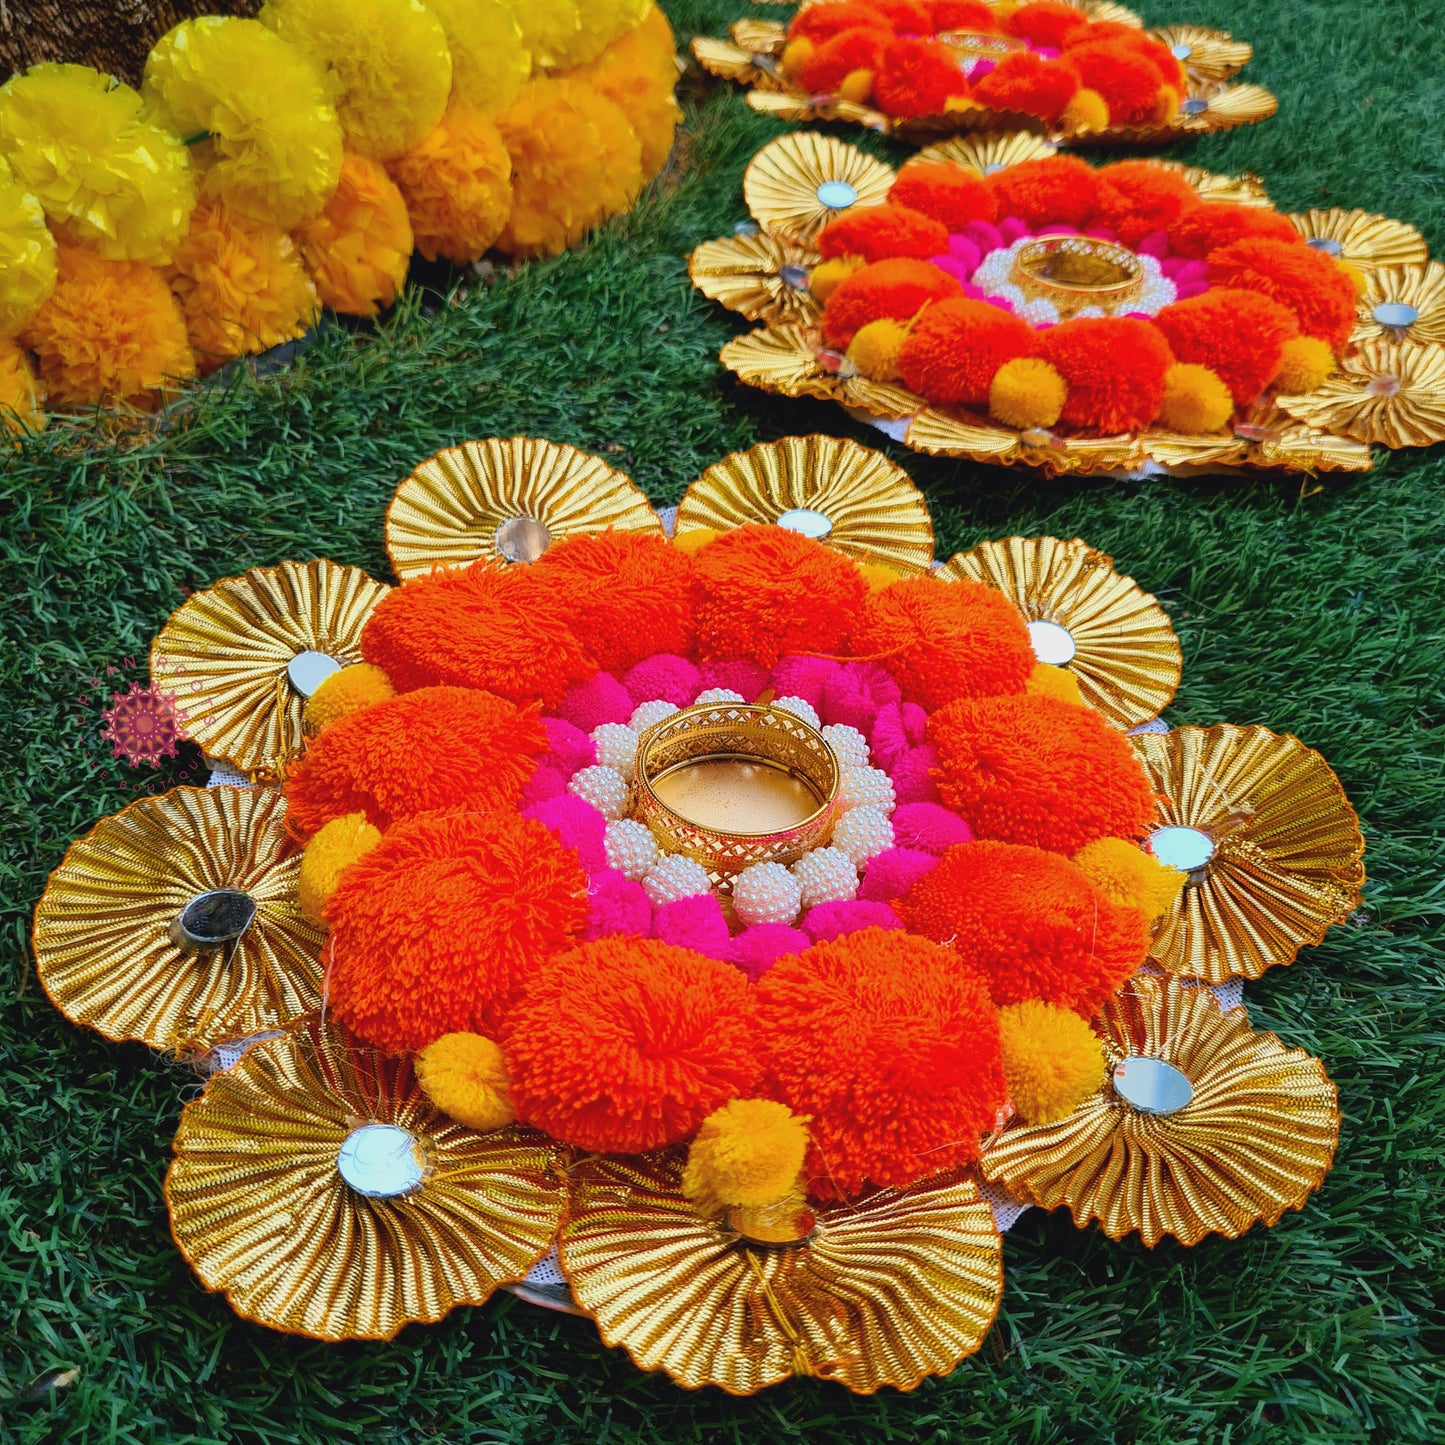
column 489, row 58
column 19, row 391
column 27, row 254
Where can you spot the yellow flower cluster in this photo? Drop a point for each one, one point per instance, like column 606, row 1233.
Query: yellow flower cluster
column 564, row 33
column 358, row 250
column 106, row 175
column 489, row 59
column 19, row 394
column 27, row 254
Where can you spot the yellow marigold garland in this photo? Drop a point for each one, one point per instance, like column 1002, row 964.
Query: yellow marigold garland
column 27, row 254
column 105, row 173
column 600, row 22
column 19, row 391
column 549, row 29
column 489, row 59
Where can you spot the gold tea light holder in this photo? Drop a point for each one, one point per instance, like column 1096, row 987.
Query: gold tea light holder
column 733, row 784
column 1075, row 272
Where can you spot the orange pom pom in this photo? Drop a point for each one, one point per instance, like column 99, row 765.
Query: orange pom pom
column 1115, row 367
column 1198, row 230
column 1127, row 80
column 896, row 289
column 109, row 331
column 971, row 15
column 438, row 747
column 483, row 626
column 1039, row 771
column 604, row 584
column 1138, row 197
column 359, row 246
column 627, row 1044
column 950, row 194
column 1046, row 22
column 763, row 592
column 944, row 640
column 1031, row 921
column 838, row 56
column 1311, row 284
column 1025, row 82
column 953, row 353
column 891, row 1047
column 437, row 928
column 1238, row 335
column 457, row 184
column 915, row 76
column 877, row 232
column 821, row 22
column 1058, row 189
column 907, row 17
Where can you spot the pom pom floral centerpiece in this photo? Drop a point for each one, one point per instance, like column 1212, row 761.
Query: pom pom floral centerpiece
column 767, row 904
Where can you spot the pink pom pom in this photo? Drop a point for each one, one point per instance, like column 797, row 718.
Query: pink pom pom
column 662, row 676
column 984, row 234
column 577, row 825
column 984, row 67
column 615, row 904
column 1185, row 289
column 831, row 920
column 804, row 677
column 601, row 699
column 569, row 749
column 545, row 782
column 1012, row 229
column 896, row 728
column 741, row 674
column 965, row 251
column 1155, row 244
column 929, row 827
column 912, row 775
column 893, row 872
column 952, row 266
column 855, row 694
column 756, row 949
column 696, row 923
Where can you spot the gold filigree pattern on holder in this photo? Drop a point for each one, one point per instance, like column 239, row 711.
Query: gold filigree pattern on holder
column 1402, row 303
column 1287, row 849
column 1127, row 658
column 762, row 277
column 870, row 508
column 225, row 651
column 260, row 1210
column 798, row 183
column 451, row 511
column 893, row 1287
column 1384, row 392
column 1256, row 1138
column 1361, row 238
column 103, row 949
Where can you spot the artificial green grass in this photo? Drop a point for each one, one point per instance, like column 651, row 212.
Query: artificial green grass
column 1314, row 608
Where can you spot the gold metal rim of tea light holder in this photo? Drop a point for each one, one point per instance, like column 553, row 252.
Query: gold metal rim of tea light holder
column 1075, row 272
column 755, row 732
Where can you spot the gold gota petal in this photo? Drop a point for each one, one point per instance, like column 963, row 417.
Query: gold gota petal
column 761, row 37
column 103, row 949
column 762, row 277
column 798, row 183
column 886, row 1290
column 1100, row 10
column 1243, row 190
column 730, row 61
column 1384, row 392
column 1256, row 1138
column 770, row 97
column 1126, row 656
column 846, row 495
column 1402, row 303
column 1208, row 54
column 454, row 509
column 1286, row 848
column 984, row 154
column 1361, row 237
column 261, row 1211
column 1227, row 107
column 226, row 651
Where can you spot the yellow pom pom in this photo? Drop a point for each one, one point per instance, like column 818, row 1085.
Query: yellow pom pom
column 19, row 392
column 242, row 286
column 877, row 576
column 1052, row 1060
column 827, row 276
column 875, row 347
column 750, row 1152
column 335, row 846
column 354, row 688
column 960, row 103
column 457, row 185
column 27, row 254
column 856, row 86
column 1166, row 105
column 465, row 1076
column 1306, row 362
column 796, row 54
column 1086, row 111
column 1027, row 392
column 1046, row 680
column 1130, row 876
column 389, row 60
column 266, row 138
column 1196, row 400
column 106, row 174
column 695, row 539
column 489, row 60
column 1357, row 277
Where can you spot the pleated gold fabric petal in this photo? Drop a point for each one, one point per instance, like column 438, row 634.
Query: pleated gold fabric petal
column 1226, row 107
column 788, row 185
column 1419, row 287
column 259, row 1209
column 1242, row 190
column 1257, row 1137
column 1128, row 661
column 887, row 1290
column 1287, row 848
column 985, row 154
column 448, row 511
column 1384, row 392
column 102, row 946
column 875, row 511
column 762, row 277
column 1361, row 237
column 1206, row 55
column 225, row 651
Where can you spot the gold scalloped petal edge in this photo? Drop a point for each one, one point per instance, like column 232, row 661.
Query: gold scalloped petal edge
column 873, row 511
column 1385, row 392
column 1287, row 846
column 102, row 947
column 762, row 277
column 1127, row 659
column 1361, row 237
column 785, row 186
column 448, row 511
column 1256, row 1138
column 258, row 1206
column 1418, row 288
column 887, row 1290
column 225, row 651
column 1209, row 55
